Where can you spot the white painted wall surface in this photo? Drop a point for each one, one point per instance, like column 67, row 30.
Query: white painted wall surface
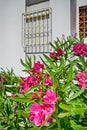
column 10, row 34
column 79, row 3
column 60, row 18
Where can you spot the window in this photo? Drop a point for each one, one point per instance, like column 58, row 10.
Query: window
column 37, row 31
column 33, row 2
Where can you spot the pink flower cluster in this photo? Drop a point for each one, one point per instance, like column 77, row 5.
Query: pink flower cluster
column 38, row 66
column 56, row 54
column 32, row 79
column 40, row 112
column 35, row 78
column 48, row 81
column 80, row 49
column 81, row 77
column 29, row 81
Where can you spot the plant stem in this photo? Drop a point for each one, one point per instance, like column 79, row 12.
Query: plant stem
column 58, row 122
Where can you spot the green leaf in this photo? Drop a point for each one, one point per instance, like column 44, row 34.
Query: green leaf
column 73, row 108
column 61, row 67
column 77, row 110
column 11, row 116
column 83, row 62
column 20, row 95
column 23, row 63
column 57, row 42
column 20, row 99
column 81, row 38
column 65, row 86
column 55, row 83
column 76, row 95
column 52, row 126
column 63, row 114
column 52, row 46
column 70, row 74
column 23, row 113
column 50, row 62
column 34, row 128
column 32, row 89
column 34, row 57
column 76, row 126
column 65, row 107
column 2, row 128
column 78, row 102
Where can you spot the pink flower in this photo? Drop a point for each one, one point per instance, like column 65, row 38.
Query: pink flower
column 48, row 81
column 82, row 79
column 54, row 55
column 85, row 50
column 60, row 52
column 48, row 109
column 24, row 84
column 37, row 118
column 35, row 108
column 39, row 113
column 27, row 82
column 83, row 85
column 81, row 76
column 21, row 90
column 50, row 97
column 36, row 115
column 34, row 80
column 78, row 48
column 38, row 66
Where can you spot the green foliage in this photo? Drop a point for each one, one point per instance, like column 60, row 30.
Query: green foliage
column 71, row 107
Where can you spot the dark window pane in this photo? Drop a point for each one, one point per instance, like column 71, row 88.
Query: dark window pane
column 32, row 2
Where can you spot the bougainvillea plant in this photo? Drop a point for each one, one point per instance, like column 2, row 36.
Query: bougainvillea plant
column 52, row 95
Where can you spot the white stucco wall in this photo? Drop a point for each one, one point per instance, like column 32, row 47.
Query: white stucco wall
column 10, row 34
column 60, row 17
column 79, row 3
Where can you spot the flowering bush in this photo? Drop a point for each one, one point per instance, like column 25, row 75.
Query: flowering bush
column 53, row 95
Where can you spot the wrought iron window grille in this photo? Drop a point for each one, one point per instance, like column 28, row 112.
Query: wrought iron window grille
column 37, row 31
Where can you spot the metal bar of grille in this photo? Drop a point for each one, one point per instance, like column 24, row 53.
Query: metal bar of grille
column 43, row 30
column 35, row 33
column 47, row 17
